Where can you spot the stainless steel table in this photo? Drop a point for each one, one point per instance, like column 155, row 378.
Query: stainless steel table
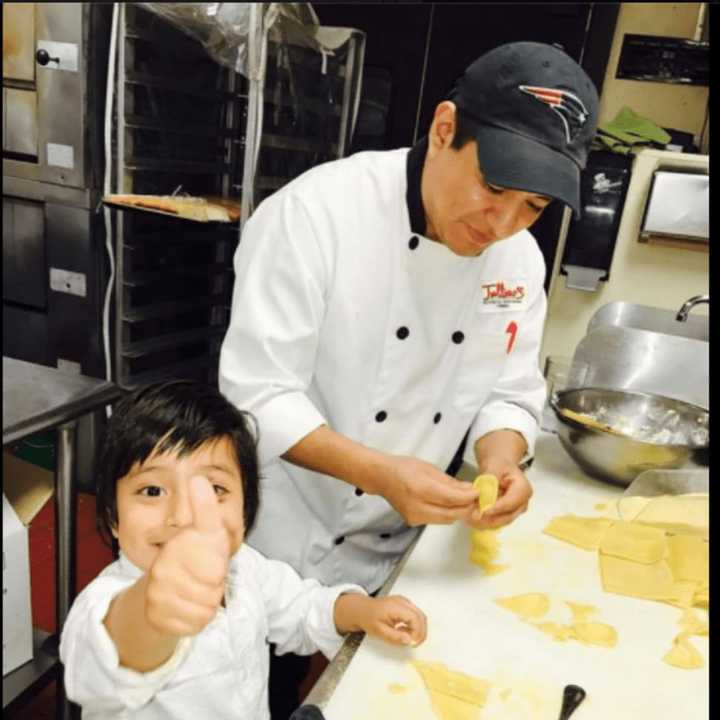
column 37, row 398
column 331, row 676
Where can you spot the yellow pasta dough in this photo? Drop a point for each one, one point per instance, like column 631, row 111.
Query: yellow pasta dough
column 653, row 581
column 692, row 624
column 631, row 541
column 485, row 544
column 584, row 532
column 580, row 612
column 689, row 558
column 684, row 654
column 453, row 695
column 688, row 514
column 529, row 605
column 487, row 486
column 556, row 631
column 595, row 633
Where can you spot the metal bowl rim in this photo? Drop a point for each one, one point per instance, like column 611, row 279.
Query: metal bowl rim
column 556, row 405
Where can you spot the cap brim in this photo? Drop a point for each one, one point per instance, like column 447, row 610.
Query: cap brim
column 514, row 161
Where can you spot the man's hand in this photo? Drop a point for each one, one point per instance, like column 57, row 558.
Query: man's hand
column 185, row 584
column 393, row 619
column 514, row 493
column 423, row 494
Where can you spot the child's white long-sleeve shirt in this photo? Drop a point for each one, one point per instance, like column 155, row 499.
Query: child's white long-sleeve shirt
column 220, row 673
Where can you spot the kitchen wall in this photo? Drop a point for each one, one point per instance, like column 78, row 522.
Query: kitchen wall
column 641, row 273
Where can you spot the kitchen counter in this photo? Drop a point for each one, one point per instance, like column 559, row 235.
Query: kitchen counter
column 527, row 669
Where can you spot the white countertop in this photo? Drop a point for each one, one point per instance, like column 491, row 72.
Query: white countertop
column 468, row 632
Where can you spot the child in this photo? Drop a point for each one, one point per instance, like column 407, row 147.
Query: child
column 178, row 626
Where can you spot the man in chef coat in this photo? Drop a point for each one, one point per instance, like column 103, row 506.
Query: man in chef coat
column 389, row 303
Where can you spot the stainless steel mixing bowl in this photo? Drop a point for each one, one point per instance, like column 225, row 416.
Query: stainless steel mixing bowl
column 643, row 432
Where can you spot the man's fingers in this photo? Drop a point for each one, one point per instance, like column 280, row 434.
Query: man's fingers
column 204, row 505
column 452, row 493
column 426, row 514
column 517, row 493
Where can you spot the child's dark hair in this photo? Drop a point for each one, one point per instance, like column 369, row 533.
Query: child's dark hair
column 179, row 415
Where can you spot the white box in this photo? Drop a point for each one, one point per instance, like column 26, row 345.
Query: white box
column 26, row 489
column 17, row 616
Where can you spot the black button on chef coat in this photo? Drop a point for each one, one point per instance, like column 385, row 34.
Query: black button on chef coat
column 340, row 540
column 385, row 536
column 402, row 332
column 381, row 416
column 359, row 492
column 458, row 337
column 437, row 418
column 414, row 242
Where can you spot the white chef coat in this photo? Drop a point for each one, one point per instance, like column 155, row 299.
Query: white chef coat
column 329, row 278
column 221, row 673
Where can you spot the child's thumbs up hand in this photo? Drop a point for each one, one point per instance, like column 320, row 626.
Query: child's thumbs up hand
column 186, row 583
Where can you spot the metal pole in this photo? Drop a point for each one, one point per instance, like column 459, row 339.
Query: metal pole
column 64, row 537
column 254, row 65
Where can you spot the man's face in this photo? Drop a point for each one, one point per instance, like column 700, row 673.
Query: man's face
column 464, row 212
column 153, row 503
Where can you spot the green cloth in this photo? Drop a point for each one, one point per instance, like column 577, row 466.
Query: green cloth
column 627, row 131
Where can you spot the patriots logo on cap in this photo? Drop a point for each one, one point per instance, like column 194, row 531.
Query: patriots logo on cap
column 568, row 106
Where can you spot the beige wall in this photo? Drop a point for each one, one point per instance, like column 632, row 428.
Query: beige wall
column 640, row 273
column 674, row 106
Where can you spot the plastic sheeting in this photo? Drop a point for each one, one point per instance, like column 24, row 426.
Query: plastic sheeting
column 224, row 29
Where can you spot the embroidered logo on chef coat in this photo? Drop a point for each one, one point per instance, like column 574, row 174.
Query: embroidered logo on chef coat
column 503, row 294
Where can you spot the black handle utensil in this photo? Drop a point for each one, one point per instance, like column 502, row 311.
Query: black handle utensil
column 573, row 695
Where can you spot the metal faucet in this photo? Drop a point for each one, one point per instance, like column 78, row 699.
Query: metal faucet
column 688, row 305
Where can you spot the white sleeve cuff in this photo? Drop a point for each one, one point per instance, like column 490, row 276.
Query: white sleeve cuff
column 94, row 676
column 283, row 421
column 321, row 618
column 502, row 416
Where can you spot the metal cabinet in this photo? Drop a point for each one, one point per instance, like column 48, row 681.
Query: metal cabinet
column 52, row 86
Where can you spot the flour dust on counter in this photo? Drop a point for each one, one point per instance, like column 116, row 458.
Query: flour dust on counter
column 525, row 668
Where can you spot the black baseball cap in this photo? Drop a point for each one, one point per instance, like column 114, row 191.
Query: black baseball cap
column 536, row 111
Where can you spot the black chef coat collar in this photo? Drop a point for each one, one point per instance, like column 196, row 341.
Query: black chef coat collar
column 413, row 195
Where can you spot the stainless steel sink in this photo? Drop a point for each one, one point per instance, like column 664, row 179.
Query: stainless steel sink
column 652, row 319
column 625, row 358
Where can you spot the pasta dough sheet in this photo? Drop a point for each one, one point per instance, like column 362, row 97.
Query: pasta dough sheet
column 453, row 695
column 583, row 532
column 529, row 605
column 631, row 541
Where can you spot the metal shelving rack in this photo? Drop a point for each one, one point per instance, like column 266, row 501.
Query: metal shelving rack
column 180, row 122
column 183, row 120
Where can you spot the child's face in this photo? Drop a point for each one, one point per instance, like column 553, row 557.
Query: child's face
column 153, row 503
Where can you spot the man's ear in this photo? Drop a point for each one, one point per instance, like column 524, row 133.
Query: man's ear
column 444, row 124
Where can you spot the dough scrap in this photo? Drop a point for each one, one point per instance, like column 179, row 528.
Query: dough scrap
column 595, row 633
column 683, row 594
column 561, row 633
column 529, row 605
column 632, row 541
column 485, row 548
column 580, row 612
column 583, row 532
column 684, row 654
column 691, row 624
column 453, row 695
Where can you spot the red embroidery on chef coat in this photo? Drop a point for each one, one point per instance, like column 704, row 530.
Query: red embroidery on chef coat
column 511, row 330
